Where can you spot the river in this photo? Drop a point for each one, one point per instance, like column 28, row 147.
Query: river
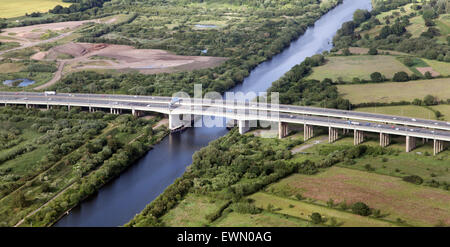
column 120, row 200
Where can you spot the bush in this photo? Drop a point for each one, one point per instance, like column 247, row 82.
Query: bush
column 376, row 77
column 361, row 208
column 400, row 76
column 372, row 51
column 245, row 208
column 413, row 179
column 429, row 100
column 316, row 218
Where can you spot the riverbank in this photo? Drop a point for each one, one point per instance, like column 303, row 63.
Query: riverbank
column 262, row 77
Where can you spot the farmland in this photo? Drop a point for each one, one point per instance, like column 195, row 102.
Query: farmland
column 431, row 206
column 348, row 67
column 21, row 7
column 402, row 110
column 396, row 91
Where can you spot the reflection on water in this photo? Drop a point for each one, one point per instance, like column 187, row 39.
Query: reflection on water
column 18, row 82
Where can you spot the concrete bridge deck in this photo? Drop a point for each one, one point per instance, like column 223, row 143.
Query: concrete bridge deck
column 245, row 112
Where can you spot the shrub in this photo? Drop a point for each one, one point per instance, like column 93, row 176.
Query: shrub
column 376, row 77
column 372, row 51
column 316, row 218
column 400, row 76
column 361, row 208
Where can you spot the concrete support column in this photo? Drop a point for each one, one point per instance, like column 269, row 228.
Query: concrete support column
column 358, row 137
column 308, row 132
column 385, row 139
column 283, row 130
column 68, row 107
column 438, row 146
column 244, row 126
column 410, row 143
column 332, row 134
column 175, row 121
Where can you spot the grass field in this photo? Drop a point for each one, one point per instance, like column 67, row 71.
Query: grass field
column 191, row 211
column 303, row 210
column 403, row 110
column 396, row 91
column 444, row 109
column 442, row 67
column 417, row 26
column 361, row 66
column 264, row 219
column 17, row 8
column 418, row 205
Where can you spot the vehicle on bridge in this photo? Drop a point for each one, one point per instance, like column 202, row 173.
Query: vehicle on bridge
column 50, row 93
column 174, row 101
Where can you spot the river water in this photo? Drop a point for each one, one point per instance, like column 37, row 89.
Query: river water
column 124, row 197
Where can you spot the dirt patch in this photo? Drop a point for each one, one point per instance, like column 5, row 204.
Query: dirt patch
column 164, row 122
column 424, row 70
column 125, row 58
column 39, row 56
column 35, row 31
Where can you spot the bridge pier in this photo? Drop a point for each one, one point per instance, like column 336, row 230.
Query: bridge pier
column 438, row 146
column 410, row 143
column 136, row 113
column 244, row 126
column 385, row 139
column 358, row 137
column 308, row 132
column 332, row 134
column 283, row 130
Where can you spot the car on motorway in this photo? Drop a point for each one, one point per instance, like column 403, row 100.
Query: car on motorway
column 413, row 120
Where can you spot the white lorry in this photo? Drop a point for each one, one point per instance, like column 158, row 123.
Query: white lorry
column 49, row 93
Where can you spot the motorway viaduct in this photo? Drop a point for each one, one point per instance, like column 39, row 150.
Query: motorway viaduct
column 247, row 113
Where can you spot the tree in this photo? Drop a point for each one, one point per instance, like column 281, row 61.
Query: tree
column 360, row 16
column 429, row 100
column 376, row 77
column 316, row 218
column 372, row 51
column 346, row 52
column 408, row 61
column 413, row 179
column 400, row 76
column 361, row 208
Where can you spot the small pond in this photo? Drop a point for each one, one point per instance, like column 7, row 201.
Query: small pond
column 23, row 82
column 205, row 26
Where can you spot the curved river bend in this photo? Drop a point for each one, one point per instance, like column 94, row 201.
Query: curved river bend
column 120, row 200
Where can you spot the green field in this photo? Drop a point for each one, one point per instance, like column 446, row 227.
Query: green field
column 444, row 109
column 303, row 210
column 17, row 8
column 442, row 67
column 417, row 26
column 191, row 211
column 361, row 66
column 403, row 110
column 396, row 91
column 418, row 205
